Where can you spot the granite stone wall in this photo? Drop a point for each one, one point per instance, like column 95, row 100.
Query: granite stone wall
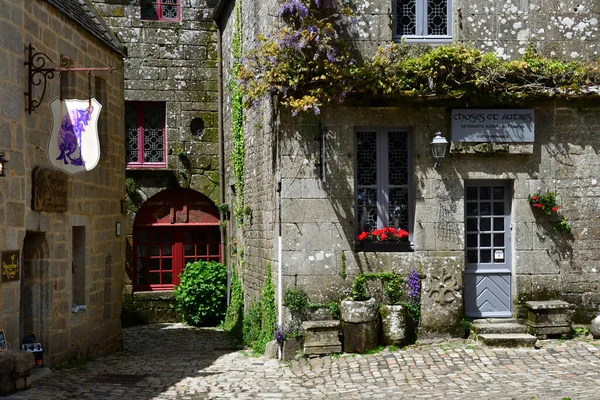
column 317, row 211
column 173, row 62
column 41, row 301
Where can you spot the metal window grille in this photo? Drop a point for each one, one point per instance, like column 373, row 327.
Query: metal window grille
column 161, row 10
column 422, row 18
column 145, row 134
column 383, row 182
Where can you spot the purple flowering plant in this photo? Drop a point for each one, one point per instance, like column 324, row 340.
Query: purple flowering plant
column 413, row 304
column 281, row 335
column 303, row 60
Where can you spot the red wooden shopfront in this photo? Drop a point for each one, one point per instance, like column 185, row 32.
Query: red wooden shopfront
column 173, row 228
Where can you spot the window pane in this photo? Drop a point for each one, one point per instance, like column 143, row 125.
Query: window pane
column 167, row 264
column 189, row 250
column 485, row 256
column 213, row 249
column 472, row 208
column 154, row 264
column 485, row 240
column 167, row 250
column 472, row 225
column 499, row 240
column 131, row 132
column 154, row 279
column 498, row 208
column 498, row 192
column 498, row 224
column 154, row 123
column 485, row 224
column 397, row 158
column 149, row 9
column 366, row 158
column 154, row 251
column 398, row 212
column 367, row 209
column 437, row 17
column 406, row 17
column 142, row 251
column 167, row 278
column 485, row 192
column 485, row 208
column 169, row 9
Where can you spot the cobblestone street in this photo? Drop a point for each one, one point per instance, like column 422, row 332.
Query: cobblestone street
column 171, row 361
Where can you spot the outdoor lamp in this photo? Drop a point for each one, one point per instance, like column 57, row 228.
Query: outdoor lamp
column 2, row 162
column 439, row 144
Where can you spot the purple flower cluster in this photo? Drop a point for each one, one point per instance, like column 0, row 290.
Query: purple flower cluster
column 281, row 335
column 414, row 288
column 293, row 8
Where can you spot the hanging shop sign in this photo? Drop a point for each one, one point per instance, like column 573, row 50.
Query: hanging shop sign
column 50, row 190
column 10, row 265
column 493, row 125
column 74, row 146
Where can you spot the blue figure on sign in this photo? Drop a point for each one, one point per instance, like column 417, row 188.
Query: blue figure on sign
column 69, row 137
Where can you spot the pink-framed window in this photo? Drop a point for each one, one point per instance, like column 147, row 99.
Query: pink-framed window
column 145, row 140
column 161, row 10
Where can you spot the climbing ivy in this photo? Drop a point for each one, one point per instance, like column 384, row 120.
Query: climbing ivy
column 307, row 64
column 235, row 312
column 237, row 115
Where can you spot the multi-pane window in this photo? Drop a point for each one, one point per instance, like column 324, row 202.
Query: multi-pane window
column 383, row 181
column 428, row 20
column 161, row 253
column 161, row 10
column 145, row 134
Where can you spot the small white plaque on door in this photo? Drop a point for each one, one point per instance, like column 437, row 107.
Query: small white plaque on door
column 499, row 255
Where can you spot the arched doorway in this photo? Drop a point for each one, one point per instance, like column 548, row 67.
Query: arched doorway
column 171, row 229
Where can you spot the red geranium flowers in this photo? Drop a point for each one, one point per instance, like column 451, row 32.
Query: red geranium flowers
column 384, row 235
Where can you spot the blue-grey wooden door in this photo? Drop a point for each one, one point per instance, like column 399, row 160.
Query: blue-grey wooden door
column 487, row 249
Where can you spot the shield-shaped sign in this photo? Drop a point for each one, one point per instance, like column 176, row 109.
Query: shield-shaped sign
column 74, row 146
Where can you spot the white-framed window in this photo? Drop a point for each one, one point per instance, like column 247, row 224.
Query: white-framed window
column 383, row 179
column 423, row 20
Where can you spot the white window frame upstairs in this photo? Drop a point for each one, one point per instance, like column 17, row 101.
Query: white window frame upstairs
column 421, row 24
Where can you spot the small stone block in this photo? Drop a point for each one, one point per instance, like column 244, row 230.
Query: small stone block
column 547, row 305
column 322, row 348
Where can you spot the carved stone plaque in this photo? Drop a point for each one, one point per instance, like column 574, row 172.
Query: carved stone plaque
column 50, row 190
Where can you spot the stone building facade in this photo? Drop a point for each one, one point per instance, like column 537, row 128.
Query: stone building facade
column 308, row 189
column 69, row 262
column 171, row 87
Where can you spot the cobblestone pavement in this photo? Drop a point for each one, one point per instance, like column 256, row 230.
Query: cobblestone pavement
column 171, row 361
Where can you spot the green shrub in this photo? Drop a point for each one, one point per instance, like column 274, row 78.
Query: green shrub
column 296, row 301
column 252, row 324
column 201, row 294
column 269, row 314
column 235, row 313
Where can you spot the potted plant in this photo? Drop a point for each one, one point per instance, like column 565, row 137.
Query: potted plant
column 394, row 318
column 359, row 317
column 383, row 240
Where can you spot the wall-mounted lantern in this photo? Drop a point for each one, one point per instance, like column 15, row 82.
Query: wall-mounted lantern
column 439, row 144
column 2, row 164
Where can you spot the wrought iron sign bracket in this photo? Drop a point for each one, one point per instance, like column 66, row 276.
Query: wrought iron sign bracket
column 38, row 74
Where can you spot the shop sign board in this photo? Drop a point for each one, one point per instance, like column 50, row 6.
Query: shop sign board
column 493, row 125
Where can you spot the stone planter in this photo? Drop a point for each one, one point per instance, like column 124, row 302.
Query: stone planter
column 360, row 325
column 595, row 327
column 382, row 247
column 394, row 324
column 290, row 348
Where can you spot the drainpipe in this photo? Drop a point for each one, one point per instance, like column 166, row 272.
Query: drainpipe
column 222, row 152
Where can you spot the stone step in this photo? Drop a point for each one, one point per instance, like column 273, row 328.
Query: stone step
column 507, row 340
column 495, row 321
column 510, row 327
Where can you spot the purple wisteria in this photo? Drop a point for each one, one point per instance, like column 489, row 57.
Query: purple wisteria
column 414, row 295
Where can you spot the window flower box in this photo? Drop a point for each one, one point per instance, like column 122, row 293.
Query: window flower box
column 383, row 247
